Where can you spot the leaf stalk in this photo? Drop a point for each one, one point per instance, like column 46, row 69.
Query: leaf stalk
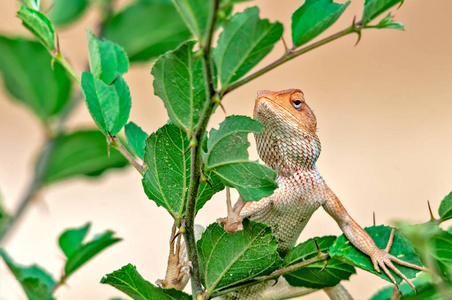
column 115, row 142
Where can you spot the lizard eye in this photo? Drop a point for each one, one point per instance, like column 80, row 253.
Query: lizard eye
column 297, row 104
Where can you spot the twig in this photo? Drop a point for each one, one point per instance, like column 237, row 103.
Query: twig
column 41, row 168
column 36, row 182
column 321, row 257
column 115, row 142
column 354, row 28
column 195, row 173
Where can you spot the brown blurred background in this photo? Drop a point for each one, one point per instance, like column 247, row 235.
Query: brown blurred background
column 384, row 112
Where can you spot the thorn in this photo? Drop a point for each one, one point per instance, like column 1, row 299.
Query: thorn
column 176, row 235
column 354, row 21
column 188, row 149
column 276, row 281
column 324, row 265
column 57, row 44
column 193, row 142
column 114, row 80
column 208, row 182
column 216, row 99
column 401, row 3
column 318, row 248
column 432, row 218
column 358, row 32
column 375, row 222
column 222, row 108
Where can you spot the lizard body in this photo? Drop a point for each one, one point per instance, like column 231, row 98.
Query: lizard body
column 289, row 144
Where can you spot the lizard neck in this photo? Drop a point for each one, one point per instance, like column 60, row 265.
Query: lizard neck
column 287, row 147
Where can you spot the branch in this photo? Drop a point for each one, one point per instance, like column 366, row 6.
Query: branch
column 36, row 182
column 115, row 142
column 283, row 271
column 291, row 54
column 195, row 173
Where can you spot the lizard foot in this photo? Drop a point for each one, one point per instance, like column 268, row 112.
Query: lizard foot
column 382, row 259
column 233, row 222
column 178, row 268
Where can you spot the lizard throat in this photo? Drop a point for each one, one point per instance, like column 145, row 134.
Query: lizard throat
column 284, row 144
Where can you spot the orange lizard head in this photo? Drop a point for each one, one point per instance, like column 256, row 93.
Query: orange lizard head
column 288, row 141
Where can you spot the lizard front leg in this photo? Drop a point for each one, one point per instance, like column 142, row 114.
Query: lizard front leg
column 233, row 221
column 362, row 240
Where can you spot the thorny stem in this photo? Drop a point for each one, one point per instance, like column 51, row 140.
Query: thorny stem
column 291, row 54
column 115, row 142
column 273, row 276
column 195, row 173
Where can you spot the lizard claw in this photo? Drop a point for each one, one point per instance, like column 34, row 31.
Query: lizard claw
column 382, row 259
column 233, row 222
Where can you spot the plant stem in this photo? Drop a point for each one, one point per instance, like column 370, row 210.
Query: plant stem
column 60, row 59
column 115, row 142
column 291, row 54
column 321, row 257
column 34, row 186
column 36, row 182
column 195, row 172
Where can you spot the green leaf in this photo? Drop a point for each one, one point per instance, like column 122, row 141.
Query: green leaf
column 77, row 252
column 374, row 8
column 36, row 282
column 167, row 178
column 109, row 105
column 71, row 239
column 442, row 252
column 312, row 276
column 343, row 250
column 245, row 41
column 147, row 29
column 31, row 3
column 39, row 25
column 227, row 157
column 196, row 15
column 136, row 138
column 445, row 208
column 434, row 245
column 64, row 12
column 128, row 280
column 180, row 82
column 313, row 18
column 81, row 153
column 388, row 22
column 228, row 259
column 29, row 78
column 425, row 287
column 106, row 59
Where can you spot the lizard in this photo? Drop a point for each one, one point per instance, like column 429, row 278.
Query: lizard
column 289, row 144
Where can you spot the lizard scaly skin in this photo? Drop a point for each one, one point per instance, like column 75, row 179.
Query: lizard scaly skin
column 289, row 144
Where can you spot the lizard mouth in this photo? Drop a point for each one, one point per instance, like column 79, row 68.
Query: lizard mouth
column 268, row 106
